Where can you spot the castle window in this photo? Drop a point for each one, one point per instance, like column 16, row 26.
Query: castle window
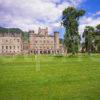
column 2, row 47
column 10, row 47
column 6, row 47
column 14, row 47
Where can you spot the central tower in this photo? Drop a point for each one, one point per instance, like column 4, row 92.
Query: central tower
column 43, row 32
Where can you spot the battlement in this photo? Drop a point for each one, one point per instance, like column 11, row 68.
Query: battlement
column 10, row 34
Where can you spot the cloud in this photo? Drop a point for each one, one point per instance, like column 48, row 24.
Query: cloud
column 88, row 21
column 31, row 14
column 97, row 13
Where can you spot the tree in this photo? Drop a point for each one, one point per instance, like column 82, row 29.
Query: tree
column 98, row 27
column 97, row 38
column 89, row 36
column 70, row 19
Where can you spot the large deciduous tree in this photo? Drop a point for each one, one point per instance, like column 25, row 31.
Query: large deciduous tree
column 89, row 36
column 70, row 19
column 97, row 38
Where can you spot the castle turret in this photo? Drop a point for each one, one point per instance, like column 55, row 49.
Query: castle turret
column 56, row 41
column 31, row 40
column 43, row 32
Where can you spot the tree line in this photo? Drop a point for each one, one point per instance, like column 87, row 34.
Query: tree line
column 91, row 35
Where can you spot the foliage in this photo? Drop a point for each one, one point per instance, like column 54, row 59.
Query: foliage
column 92, row 39
column 97, row 37
column 61, row 41
column 70, row 22
column 89, row 35
column 98, row 27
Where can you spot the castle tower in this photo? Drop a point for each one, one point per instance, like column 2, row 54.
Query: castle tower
column 56, row 41
column 31, row 40
column 43, row 32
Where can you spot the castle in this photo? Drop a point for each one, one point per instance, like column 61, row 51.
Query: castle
column 11, row 43
column 38, row 43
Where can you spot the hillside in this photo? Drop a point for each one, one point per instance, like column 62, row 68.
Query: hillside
column 15, row 30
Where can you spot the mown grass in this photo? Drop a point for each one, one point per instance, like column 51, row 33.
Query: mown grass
column 46, row 77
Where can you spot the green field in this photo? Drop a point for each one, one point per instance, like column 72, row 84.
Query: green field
column 50, row 78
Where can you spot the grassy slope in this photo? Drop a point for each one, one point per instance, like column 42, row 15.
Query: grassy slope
column 59, row 78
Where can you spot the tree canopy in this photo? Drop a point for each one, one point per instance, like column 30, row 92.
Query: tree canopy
column 70, row 19
column 89, row 34
column 92, row 39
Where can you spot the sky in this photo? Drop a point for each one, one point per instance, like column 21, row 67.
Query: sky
column 32, row 14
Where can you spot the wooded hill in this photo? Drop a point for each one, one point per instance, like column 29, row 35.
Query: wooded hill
column 15, row 30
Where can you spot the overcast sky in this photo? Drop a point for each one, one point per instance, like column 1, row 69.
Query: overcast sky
column 31, row 14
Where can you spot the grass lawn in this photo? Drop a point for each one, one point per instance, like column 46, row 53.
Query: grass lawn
column 50, row 78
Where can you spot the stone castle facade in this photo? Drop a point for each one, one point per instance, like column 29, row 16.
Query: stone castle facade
column 11, row 43
column 39, row 43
